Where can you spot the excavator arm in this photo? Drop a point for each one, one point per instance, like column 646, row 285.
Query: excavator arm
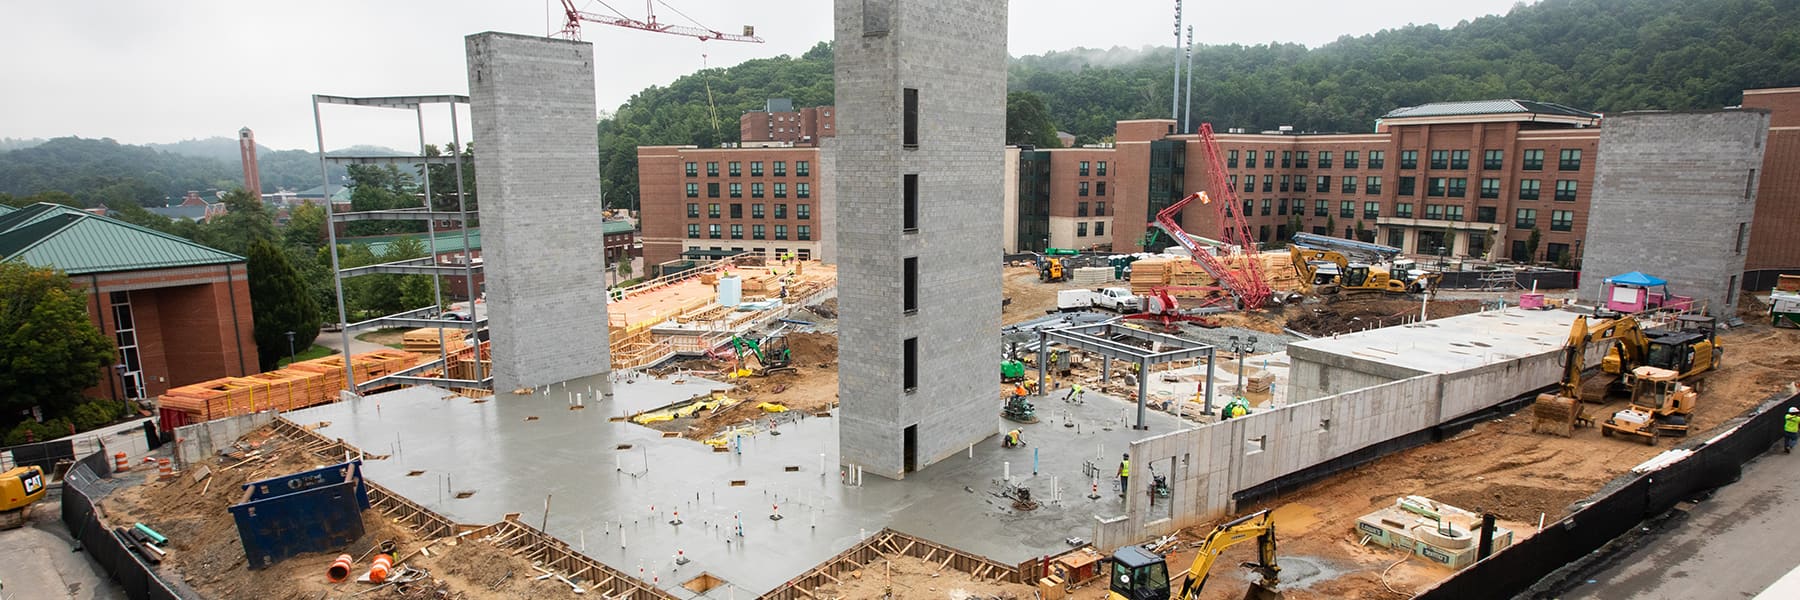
column 1259, row 526
column 1302, row 257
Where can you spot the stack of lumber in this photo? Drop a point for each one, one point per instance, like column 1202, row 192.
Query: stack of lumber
column 424, row 340
column 1092, row 275
column 302, row 384
column 1149, row 274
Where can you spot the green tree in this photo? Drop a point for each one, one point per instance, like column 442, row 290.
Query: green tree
column 305, row 227
column 280, row 302
column 49, row 348
column 385, row 188
column 1531, row 245
column 1331, row 225
column 245, row 221
column 1028, row 121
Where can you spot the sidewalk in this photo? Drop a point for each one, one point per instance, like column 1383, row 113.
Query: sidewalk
column 38, row 561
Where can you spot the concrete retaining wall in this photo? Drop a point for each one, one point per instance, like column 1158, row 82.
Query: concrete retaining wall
column 196, row 442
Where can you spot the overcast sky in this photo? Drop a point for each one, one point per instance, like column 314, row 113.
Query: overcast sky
column 165, row 71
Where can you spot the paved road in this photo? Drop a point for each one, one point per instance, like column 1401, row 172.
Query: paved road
column 1732, row 546
column 36, row 562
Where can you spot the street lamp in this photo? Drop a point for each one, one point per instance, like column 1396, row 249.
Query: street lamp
column 1442, row 252
column 290, row 336
column 1240, row 347
column 120, row 369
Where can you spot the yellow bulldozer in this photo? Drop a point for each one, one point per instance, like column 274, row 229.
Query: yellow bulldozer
column 1688, row 350
column 1660, row 405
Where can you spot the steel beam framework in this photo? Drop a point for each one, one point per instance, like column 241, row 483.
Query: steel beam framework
column 1098, row 338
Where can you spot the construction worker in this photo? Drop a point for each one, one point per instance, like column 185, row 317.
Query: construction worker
column 1074, row 394
column 1019, row 390
column 1234, row 409
column 1124, row 474
column 1790, row 427
column 1014, row 439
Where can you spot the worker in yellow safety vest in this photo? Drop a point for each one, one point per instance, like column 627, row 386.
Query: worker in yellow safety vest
column 1790, row 427
column 1014, row 439
column 1074, row 396
column 1124, row 474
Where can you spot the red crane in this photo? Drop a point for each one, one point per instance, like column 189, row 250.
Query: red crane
column 572, row 26
column 1244, row 284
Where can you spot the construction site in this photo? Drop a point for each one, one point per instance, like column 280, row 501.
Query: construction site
column 899, row 419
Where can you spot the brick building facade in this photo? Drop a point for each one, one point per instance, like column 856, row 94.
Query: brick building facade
column 1774, row 249
column 705, row 202
column 779, row 121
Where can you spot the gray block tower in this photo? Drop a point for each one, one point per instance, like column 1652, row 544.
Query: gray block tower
column 921, row 98
column 531, row 101
column 1674, row 193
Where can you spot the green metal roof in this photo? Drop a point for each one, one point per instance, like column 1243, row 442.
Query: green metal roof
column 4, row 209
column 612, row 227
column 447, row 241
column 79, row 242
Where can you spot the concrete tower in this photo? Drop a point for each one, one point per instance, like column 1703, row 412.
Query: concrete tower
column 247, row 154
column 531, row 101
column 921, row 96
column 1674, row 193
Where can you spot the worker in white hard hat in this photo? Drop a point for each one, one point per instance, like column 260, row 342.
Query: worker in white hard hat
column 1790, row 427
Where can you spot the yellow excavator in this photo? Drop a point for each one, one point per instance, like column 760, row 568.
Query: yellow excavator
column 1138, row 574
column 1688, row 351
column 19, row 488
column 1403, row 277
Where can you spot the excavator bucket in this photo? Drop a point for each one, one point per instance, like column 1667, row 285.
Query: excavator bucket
column 1259, row 591
column 1556, row 415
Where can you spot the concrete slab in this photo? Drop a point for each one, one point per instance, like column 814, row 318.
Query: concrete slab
column 618, row 500
column 1451, row 344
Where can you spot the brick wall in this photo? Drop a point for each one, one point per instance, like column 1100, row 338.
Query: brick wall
column 1773, row 245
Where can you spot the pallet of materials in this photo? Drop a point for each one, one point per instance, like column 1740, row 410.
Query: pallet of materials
column 302, row 384
column 425, row 340
column 1092, row 275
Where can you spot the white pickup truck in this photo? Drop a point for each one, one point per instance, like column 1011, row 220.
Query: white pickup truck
column 1114, row 298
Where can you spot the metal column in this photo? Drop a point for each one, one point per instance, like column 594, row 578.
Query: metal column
column 1043, row 359
column 1143, row 378
column 331, row 238
column 1211, row 355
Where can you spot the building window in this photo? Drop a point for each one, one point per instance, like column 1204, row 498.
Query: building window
column 1249, row 209
column 1268, row 159
column 780, row 210
column 1525, row 218
column 1534, row 160
column 1102, row 171
column 1397, row 237
column 909, row 203
column 693, row 169
column 1099, row 209
column 1350, row 159
column 909, row 285
column 1322, row 184
column 1265, row 206
column 737, row 231
column 802, row 168
column 1485, row 214
column 1373, row 186
column 909, row 119
column 1348, row 185
column 803, row 211
column 1453, row 213
column 1321, row 208
column 737, row 210
column 1459, row 159
column 1325, row 159
column 1249, row 159
column 1281, row 207
column 756, row 168
column 757, row 231
column 712, row 169
column 1490, row 187
column 1299, row 206
column 1284, row 183
column 737, row 190
column 781, row 232
column 780, row 169
column 1565, row 190
column 1301, row 160
column 1371, row 210
column 1099, row 188
column 1099, row 228
column 1377, row 158
column 1403, row 210
column 780, row 192
column 1081, row 229
column 1081, row 189
column 756, row 190
column 1083, row 169
column 1268, row 182
column 712, row 190
column 1562, row 220
column 1492, row 159
column 1435, row 187
column 803, row 190
column 1528, row 189
column 1407, row 186
column 1347, row 209
column 1231, row 159
column 1287, row 159
column 1556, row 252
column 803, row 232
column 712, row 231
column 693, row 190
column 694, row 230
column 1439, row 159
column 1742, row 236
column 693, row 210
column 1459, row 187
column 735, row 168
column 1081, row 209
column 1434, row 212
column 1569, row 161
column 712, row 211
column 909, row 363
column 1409, row 159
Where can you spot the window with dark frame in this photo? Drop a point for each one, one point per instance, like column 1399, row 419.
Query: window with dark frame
column 909, row 129
column 909, row 203
column 909, row 365
column 909, row 285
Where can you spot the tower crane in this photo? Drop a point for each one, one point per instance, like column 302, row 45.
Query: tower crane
column 574, row 16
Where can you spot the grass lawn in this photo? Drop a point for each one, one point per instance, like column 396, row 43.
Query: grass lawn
column 316, row 351
column 392, row 337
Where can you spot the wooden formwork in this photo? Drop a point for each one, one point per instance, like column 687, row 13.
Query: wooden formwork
column 887, row 544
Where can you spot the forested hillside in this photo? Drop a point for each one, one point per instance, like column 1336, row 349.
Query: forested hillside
column 1601, row 55
column 104, row 171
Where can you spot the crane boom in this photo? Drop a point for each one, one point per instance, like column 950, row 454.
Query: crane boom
column 574, row 16
column 1231, row 221
column 1232, row 281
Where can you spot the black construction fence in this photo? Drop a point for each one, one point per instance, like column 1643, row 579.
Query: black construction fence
column 83, row 486
column 1545, row 279
column 1618, row 508
column 45, row 455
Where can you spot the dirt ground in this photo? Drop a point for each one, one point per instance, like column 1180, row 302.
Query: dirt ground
column 1358, row 312
column 1030, row 298
column 910, row 577
column 1499, row 466
column 811, row 388
column 205, row 551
